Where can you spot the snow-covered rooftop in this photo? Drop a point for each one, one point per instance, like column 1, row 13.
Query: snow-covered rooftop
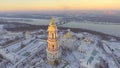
column 33, row 54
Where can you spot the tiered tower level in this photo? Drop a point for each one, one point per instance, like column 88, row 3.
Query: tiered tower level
column 53, row 49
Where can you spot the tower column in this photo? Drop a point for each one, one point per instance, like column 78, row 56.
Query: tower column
column 53, row 49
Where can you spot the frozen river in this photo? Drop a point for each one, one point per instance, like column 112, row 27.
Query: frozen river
column 110, row 29
column 104, row 28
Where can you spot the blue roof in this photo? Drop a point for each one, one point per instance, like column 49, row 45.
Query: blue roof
column 94, row 52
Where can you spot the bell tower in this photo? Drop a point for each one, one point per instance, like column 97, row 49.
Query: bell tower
column 53, row 49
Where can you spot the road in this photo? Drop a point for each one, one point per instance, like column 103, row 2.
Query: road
column 115, row 58
column 32, row 49
column 13, row 43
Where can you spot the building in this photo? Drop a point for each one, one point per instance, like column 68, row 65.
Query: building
column 68, row 41
column 88, row 41
column 27, row 35
column 53, row 49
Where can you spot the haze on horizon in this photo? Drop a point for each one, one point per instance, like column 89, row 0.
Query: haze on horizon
column 35, row 5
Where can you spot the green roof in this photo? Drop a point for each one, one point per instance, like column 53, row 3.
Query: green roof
column 90, row 60
column 26, row 54
column 94, row 52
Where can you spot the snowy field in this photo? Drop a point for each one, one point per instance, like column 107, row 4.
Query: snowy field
column 83, row 52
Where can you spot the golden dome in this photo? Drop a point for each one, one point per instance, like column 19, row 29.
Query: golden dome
column 68, row 35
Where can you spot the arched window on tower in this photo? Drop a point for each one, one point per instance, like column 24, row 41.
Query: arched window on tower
column 52, row 35
column 53, row 46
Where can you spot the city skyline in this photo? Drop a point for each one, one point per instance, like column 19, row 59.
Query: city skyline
column 35, row 5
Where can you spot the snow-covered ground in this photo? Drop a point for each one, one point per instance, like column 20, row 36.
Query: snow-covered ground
column 83, row 52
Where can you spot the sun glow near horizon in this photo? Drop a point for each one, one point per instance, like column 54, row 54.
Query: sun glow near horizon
column 8, row 5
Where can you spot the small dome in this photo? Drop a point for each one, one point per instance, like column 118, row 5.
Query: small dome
column 68, row 35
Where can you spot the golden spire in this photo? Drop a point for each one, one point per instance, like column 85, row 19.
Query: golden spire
column 52, row 22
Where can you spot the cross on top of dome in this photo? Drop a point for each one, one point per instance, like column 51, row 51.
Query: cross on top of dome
column 52, row 22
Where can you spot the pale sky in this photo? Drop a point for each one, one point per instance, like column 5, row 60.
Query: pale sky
column 8, row 5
